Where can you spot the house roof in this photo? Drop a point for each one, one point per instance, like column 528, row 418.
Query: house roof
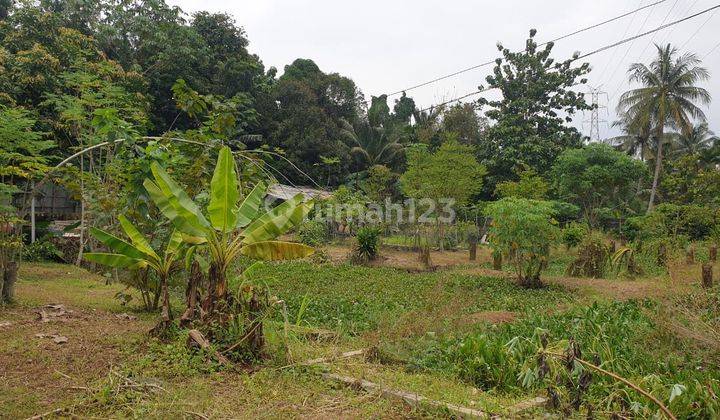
column 285, row 192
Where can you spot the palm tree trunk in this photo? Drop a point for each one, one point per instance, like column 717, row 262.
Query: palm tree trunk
column 658, row 159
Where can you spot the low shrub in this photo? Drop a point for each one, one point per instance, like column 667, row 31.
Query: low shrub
column 41, row 250
column 367, row 244
column 693, row 221
column 592, row 257
column 313, row 233
column 614, row 335
column 574, row 233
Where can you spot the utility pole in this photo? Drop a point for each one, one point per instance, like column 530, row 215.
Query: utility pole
column 595, row 94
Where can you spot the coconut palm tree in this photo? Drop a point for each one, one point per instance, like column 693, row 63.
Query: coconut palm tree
column 698, row 139
column 668, row 97
column 371, row 145
column 636, row 139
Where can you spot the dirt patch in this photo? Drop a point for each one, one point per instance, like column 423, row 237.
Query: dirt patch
column 491, row 317
column 51, row 370
column 409, row 260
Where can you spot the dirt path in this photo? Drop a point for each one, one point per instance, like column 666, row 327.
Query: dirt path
column 52, row 345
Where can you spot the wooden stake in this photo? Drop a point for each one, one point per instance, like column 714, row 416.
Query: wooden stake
column 473, row 251
column 690, row 255
column 497, row 261
column 707, row 276
column 713, row 253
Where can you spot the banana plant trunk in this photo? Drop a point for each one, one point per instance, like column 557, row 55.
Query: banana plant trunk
column 191, row 295
column 217, row 291
column 166, row 312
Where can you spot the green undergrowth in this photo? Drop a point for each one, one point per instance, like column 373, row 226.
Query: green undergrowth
column 622, row 337
column 354, row 299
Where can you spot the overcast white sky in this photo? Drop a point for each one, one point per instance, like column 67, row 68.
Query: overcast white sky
column 385, row 46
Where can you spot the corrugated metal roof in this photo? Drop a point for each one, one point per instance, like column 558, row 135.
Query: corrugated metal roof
column 286, row 192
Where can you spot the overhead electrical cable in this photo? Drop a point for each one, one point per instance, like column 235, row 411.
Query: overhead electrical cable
column 612, row 57
column 601, row 49
column 487, row 63
column 661, row 23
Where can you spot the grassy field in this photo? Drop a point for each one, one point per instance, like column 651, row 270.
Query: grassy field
column 462, row 334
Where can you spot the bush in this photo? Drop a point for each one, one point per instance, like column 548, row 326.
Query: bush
column 574, row 233
column 367, row 243
column 313, row 233
column 621, row 335
column 42, row 250
column 592, row 258
column 523, row 231
column 693, row 221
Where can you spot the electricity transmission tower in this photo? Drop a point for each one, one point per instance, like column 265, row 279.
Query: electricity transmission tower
column 595, row 121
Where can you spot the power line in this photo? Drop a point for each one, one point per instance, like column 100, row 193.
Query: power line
column 667, row 37
column 712, row 50
column 661, row 23
column 601, row 49
column 627, row 51
column 612, row 57
column 487, row 63
column 659, row 28
column 698, row 30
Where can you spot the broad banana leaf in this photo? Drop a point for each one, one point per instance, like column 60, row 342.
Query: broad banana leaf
column 250, row 207
column 115, row 260
column 276, row 250
column 278, row 225
column 117, row 245
column 224, row 193
column 178, row 198
column 137, row 238
column 174, row 243
column 281, row 219
column 178, row 220
column 281, row 208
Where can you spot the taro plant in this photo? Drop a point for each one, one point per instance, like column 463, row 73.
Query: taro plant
column 523, row 231
column 138, row 255
column 233, row 227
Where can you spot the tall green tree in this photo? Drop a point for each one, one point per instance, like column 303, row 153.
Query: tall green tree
column 311, row 106
column 371, row 145
column 597, row 177
column 465, row 122
column 700, row 138
column 531, row 120
column 668, row 97
column 24, row 158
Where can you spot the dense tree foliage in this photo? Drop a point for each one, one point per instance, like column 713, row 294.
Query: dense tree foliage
column 530, row 122
column 597, row 177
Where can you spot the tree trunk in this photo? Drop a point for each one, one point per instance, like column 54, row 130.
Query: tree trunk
column 497, row 261
column 707, row 276
column 531, row 282
column 473, row 251
column 166, row 313
column 9, row 276
column 256, row 337
column 191, row 295
column 658, row 162
column 713, row 253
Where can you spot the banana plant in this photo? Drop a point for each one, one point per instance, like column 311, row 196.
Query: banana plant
column 234, row 225
column 138, row 254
